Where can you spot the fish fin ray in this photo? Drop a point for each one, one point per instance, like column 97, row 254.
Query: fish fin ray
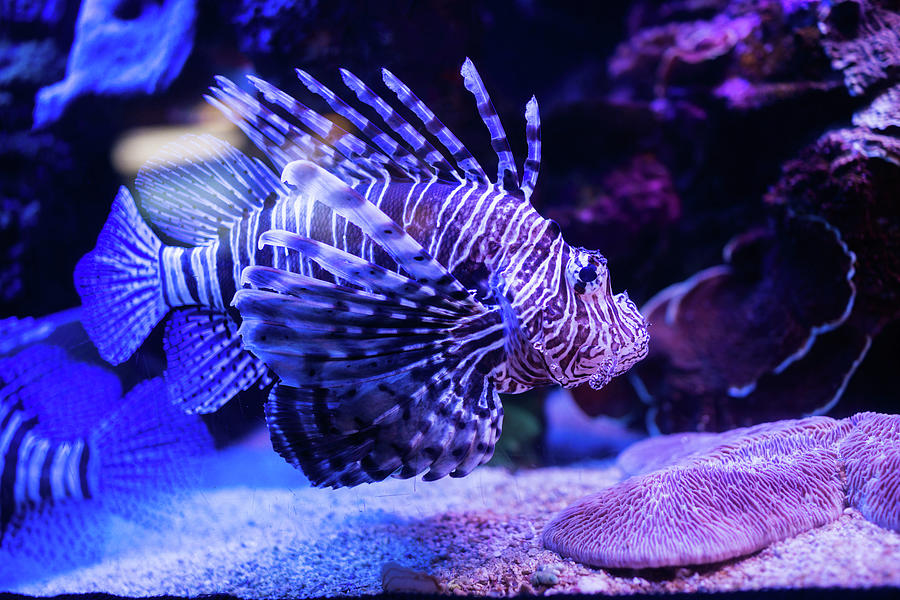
column 207, row 364
column 296, row 136
column 506, row 162
column 348, row 203
column 414, row 301
column 197, row 185
column 120, row 283
column 398, row 431
column 433, row 125
column 533, row 136
column 357, row 154
column 422, row 148
column 146, row 444
column 414, row 164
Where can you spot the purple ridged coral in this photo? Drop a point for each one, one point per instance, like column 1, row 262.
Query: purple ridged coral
column 703, row 498
column 871, row 458
column 731, row 494
column 758, row 486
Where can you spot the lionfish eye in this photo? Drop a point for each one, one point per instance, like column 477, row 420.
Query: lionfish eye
column 585, row 271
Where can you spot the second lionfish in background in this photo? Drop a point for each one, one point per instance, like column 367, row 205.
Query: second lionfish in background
column 393, row 287
column 68, row 434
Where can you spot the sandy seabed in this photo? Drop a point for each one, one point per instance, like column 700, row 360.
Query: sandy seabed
column 254, row 529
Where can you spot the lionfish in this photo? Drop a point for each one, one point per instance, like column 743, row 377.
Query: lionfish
column 392, row 287
column 67, row 434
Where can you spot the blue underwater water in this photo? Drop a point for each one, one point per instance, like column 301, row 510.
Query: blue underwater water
column 735, row 163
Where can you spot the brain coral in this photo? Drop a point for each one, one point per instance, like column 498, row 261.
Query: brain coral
column 718, row 496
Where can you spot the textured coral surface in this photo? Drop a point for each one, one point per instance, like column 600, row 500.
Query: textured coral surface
column 702, row 498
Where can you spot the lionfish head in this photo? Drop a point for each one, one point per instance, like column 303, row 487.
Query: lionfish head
column 587, row 333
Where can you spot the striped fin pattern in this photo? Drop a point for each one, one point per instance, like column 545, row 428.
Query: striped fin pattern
column 287, row 130
column 318, row 183
column 533, row 137
column 148, row 444
column 372, row 385
column 281, row 140
column 506, row 166
column 385, row 380
column 119, row 282
column 397, row 123
column 206, row 362
column 446, row 426
column 387, row 144
column 196, row 186
column 433, row 125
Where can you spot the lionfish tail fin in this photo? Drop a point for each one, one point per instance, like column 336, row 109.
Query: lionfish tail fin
column 119, row 282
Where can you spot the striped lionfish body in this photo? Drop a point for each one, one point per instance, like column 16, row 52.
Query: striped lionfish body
column 393, row 288
column 66, row 434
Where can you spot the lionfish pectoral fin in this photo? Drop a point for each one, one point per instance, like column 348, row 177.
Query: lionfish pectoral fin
column 207, row 364
column 374, row 382
column 440, row 423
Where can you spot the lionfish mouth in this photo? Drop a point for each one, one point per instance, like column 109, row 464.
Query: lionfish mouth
column 604, row 374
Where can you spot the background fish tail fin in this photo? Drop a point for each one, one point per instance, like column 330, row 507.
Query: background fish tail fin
column 148, row 444
column 119, row 282
column 69, row 397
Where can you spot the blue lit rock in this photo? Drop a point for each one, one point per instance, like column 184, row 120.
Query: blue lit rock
column 121, row 47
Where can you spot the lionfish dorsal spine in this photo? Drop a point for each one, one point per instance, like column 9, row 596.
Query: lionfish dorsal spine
column 356, row 153
column 533, row 137
column 433, row 125
column 506, row 162
column 281, row 140
column 416, row 165
column 422, row 148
